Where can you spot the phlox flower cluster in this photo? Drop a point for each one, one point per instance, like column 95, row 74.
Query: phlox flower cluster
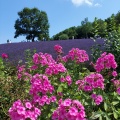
column 91, row 82
column 97, row 98
column 69, row 110
column 67, row 79
column 42, row 100
column 114, row 73
column 20, row 111
column 77, row 55
column 40, row 87
column 65, row 58
column 58, row 49
column 4, row 56
column 42, row 59
column 22, row 74
column 117, row 85
column 54, row 69
column 40, row 84
column 105, row 61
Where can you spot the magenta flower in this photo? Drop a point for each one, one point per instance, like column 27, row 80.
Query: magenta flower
column 54, row 69
column 91, row 82
column 40, row 84
column 105, row 61
column 118, row 90
column 28, row 105
column 58, row 49
column 67, row 102
column 77, row 55
column 73, row 111
column 67, row 79
column 69, row 110
column 97, row 98
column 4, row 56
column 20, row 112
column 114, row 73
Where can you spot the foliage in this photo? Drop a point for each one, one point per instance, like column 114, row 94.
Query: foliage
column 70, row 32
column 32, row 23
column 99, row 28
column 112, row 45
column 117, row 18
column 111, row 23
column 10, row 88
column 96, row 52
column 63, row 37
column 84, row 31
column 95, row 27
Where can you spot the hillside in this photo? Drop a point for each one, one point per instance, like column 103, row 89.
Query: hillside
column 16, row 50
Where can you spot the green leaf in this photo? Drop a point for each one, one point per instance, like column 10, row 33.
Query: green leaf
column 95, row 115
column 86, row 103
column 106, row 116
column 115, row 114
column 105, row 106
column 115, row 94
column 115, row 102
column 27, row 91
column 100, row 118
column 64, row 85
column 59, row 89
column 118, row 97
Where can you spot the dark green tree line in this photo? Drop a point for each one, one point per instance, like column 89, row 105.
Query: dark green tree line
column 88, row 29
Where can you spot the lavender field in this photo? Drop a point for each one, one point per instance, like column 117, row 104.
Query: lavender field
column 16, row 50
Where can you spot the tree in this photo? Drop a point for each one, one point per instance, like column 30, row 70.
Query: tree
column 63, row 37
column 102, row 28
column 86, row 28
column 32, row 23
column 84, row 31
column 71, row 32
column 95, row 27
column 117, row 17
column 111, row 23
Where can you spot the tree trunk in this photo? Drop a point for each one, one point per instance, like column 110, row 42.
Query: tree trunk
column 33, row 39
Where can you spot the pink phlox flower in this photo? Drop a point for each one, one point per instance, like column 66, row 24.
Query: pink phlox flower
column 114, row 73
column 69, row 110
column 54, row 69
column 40, row 84
column 78, row 55
column 58, row 49
column 118, row 90
column 90, row 82
column 4, row 56
column 97, row 98
column 105, row 61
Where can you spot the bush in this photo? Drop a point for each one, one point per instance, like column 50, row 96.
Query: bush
column 63, row 37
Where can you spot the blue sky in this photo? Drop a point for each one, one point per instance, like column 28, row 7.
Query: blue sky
column 62, row 14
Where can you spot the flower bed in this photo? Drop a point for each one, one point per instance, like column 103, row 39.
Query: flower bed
column 63, row 89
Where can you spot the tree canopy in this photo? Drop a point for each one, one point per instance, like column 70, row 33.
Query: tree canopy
column 32, row 23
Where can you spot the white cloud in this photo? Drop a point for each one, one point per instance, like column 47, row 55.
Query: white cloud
column 81, row 2
column 88, row 2
column 97, row 5
column 78, row 2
